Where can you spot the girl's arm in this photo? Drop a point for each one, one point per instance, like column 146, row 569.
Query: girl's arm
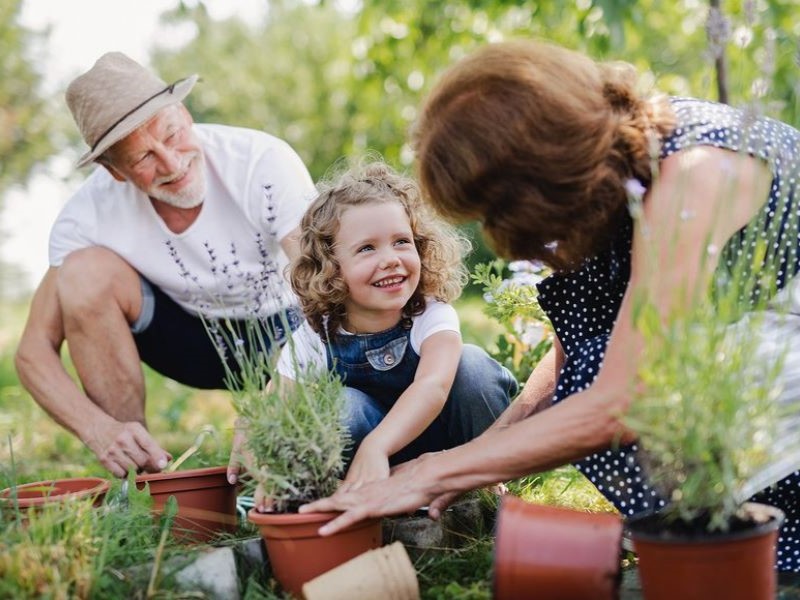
column 414, row 410
column 702, row 197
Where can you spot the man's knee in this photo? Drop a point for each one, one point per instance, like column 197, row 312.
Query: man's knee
column 91, row 278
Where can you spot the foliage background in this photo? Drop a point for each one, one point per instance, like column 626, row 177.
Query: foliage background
column 337, row 79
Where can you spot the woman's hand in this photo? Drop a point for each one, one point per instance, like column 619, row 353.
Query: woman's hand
column 407, row 489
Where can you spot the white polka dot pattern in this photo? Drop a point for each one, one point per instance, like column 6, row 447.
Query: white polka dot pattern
column 583, row 305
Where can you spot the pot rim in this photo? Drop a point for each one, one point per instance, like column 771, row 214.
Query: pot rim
column 94, row 487
column 199, row 472
column 776, row 519
column 275, row 518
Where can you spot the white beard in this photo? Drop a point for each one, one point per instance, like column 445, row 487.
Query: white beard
column 190, row 196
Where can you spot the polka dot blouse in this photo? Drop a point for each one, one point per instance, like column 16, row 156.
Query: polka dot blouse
column 584, row 304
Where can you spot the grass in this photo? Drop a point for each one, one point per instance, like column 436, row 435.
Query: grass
column 104, row 545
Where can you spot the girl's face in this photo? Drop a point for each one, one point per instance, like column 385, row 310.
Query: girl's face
column 379, row 263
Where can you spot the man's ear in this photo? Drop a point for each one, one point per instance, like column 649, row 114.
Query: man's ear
column 111, row 169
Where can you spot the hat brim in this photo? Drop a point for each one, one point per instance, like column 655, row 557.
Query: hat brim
column 139, row 117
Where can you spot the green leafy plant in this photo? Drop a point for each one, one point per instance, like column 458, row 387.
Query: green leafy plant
column 512, row 302
column 511, row 299
column 295, row 436
column 73, row 549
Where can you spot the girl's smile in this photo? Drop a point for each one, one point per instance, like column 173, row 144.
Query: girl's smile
column 379, row 263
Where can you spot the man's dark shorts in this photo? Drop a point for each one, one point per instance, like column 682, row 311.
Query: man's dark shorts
column 179, row 344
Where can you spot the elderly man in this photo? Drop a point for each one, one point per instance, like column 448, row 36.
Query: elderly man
column 181, row 224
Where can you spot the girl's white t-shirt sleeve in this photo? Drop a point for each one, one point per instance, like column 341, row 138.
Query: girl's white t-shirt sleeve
column 303, row 354
column 437, row 317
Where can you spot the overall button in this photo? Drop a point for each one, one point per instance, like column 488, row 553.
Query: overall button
column 388, row 359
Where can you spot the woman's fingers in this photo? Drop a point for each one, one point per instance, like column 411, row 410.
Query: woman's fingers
column 440, row 504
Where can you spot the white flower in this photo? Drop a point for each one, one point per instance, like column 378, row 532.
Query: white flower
column 635, row 189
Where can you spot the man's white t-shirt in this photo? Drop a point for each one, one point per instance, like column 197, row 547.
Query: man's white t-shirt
column 229, row 262
column 305, row 354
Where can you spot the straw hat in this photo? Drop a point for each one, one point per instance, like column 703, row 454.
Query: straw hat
column 116, row 96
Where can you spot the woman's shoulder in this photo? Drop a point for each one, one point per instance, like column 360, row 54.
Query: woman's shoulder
column 708, row 123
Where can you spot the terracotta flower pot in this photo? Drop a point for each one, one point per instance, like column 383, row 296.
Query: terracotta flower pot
column 57, row 490
column 736, row 565
column 297, row 554
column 556, row 553
column 206, row 501
column 382, row 573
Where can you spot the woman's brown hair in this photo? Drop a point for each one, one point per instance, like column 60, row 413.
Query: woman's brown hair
column 537, row 142
column 315, row 275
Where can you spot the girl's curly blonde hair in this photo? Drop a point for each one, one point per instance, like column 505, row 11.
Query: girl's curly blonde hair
column 315, row 275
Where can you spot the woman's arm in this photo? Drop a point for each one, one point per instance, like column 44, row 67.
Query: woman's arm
column 538, row 392
column 413, row 412
column 702, row 197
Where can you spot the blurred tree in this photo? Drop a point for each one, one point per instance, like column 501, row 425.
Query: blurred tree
column 26, row 123
column 287, row 76
column 338, row 82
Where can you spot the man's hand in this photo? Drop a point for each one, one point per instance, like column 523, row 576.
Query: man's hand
column 122, row 446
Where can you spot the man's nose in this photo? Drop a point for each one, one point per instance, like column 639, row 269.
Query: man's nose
column 170, row 160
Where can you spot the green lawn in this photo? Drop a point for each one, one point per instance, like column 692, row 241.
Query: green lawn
column 35, row 448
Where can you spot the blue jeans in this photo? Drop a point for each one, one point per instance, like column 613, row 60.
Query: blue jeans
column 482, row 389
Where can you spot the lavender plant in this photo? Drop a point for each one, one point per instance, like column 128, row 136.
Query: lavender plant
column 706, row 412
column 713, row 422
column 295, row 438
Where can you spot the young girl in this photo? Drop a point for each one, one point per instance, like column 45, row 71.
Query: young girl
column 375, row 276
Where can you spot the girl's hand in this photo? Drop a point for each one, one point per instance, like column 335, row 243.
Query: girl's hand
column 370, row 464
column 239, row 455
column 261, row 502
column 235, row 462
column 240, row 460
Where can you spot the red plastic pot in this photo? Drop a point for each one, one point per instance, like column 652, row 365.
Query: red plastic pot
column 206, row 501
column 556, row 553
column 298, row 554
column 735, row 565
column 40, row 493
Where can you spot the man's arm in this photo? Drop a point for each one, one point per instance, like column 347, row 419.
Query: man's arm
column 118, row 445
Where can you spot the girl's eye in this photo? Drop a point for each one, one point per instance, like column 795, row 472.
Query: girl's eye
column 402, row 241
column 365, row 248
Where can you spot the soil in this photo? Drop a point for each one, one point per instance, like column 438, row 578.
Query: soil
column 748, row 518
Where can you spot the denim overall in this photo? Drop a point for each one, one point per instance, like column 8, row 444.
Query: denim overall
column 376, row 369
